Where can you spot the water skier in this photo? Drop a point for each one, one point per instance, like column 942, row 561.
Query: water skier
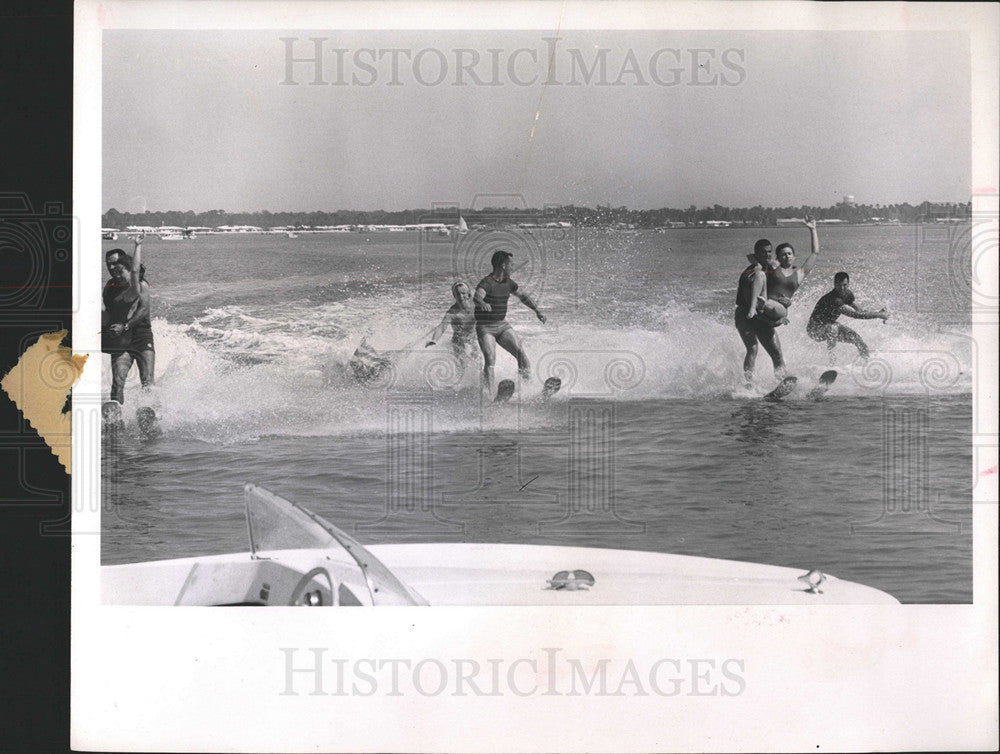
column 492, row 328
column 754, row 330
column 785, row 279
column 823, row 325
column 461, row 318
column 126, row 331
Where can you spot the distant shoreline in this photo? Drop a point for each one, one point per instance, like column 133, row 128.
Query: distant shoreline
column 457, row 220
column 172, row 234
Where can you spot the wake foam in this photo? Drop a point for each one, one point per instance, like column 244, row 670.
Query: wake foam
column 235, row 374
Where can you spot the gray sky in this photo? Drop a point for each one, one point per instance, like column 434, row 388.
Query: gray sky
column 201, row 120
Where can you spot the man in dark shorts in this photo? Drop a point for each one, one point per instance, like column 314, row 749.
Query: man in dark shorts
column 126, row 333
column 756, row 329
column 492, row 328
column 823, row 325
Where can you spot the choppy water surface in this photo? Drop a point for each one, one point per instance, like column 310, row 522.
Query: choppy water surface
column 651, row 445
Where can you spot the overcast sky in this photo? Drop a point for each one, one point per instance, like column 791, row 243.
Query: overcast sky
column 202, row 120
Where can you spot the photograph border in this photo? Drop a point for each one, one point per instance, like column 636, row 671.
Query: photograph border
column 845, row 678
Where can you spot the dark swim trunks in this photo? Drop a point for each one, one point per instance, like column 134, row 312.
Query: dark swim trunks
column 750, row 326
column 496, row 329
column 826, row 312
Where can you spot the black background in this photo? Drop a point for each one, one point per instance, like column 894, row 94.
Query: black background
column 36, row 120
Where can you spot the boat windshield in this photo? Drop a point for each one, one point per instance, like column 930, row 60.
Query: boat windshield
column 274, row 523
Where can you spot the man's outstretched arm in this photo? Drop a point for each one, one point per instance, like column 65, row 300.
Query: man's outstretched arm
column 854, row 312
column 526, row 300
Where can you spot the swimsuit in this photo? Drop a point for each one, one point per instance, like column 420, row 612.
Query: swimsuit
column 493, row 322
column 782, row 287
column 139, row 337
column 462, row 330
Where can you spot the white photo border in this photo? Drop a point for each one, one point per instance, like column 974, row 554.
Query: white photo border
column 844, row 678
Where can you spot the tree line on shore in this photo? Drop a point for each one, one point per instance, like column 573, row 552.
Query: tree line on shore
column 601, row 216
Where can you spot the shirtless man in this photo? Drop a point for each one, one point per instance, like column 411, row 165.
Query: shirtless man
column 823, row 325
column 785, row 279
column 492, row 328
column 754, row 330
column 461, row 318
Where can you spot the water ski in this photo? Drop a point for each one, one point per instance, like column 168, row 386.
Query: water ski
column 551, row 387
column 367, row 364
column 825, row 380
column 504, row 391
column 111, row 413
column 786, row 386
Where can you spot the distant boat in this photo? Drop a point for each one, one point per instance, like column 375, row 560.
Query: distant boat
column 109, row 234
column 290, row 234
column 170, row 233
column 462, row 227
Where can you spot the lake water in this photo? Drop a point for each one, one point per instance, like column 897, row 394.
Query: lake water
column 652, row 444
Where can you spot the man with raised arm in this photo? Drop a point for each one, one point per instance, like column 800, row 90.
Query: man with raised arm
column 126, row 332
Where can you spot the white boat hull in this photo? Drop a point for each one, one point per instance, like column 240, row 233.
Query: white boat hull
column 473, row 574
column 328, row 567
